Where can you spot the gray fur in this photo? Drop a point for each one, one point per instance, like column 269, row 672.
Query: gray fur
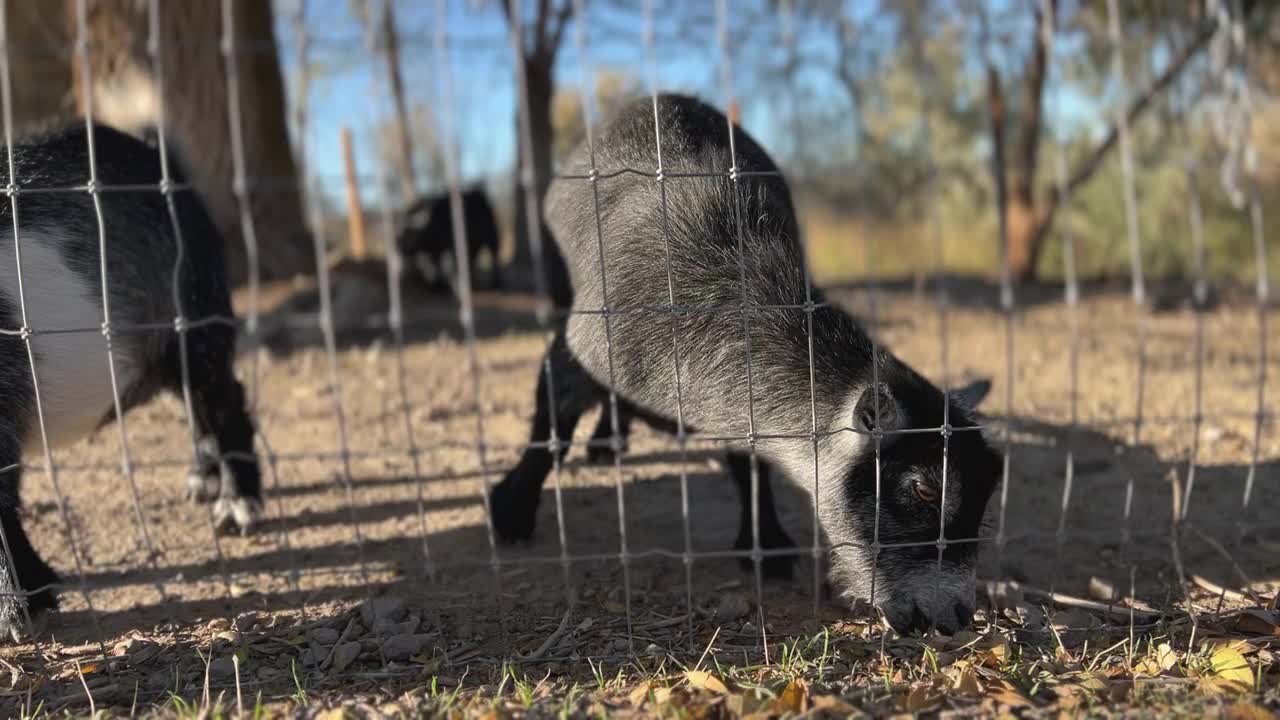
column 727, row 241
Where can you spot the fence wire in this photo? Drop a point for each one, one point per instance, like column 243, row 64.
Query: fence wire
column 422, row 454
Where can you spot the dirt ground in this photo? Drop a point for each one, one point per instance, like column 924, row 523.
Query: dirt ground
column 374, row 488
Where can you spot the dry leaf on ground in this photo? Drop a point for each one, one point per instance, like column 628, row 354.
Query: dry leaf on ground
column 702, row 680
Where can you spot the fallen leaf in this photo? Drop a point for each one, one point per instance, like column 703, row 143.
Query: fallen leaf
column 1166, row 657
column 1231, row 667
column 794, row 698
column 639, row 695
column 701, row 680
column 1094, row 683
column 1149, row 666
column 1244, row 647
column 964, row 679
column 921, row 698
column 1258, row 622
column 88, row 668
column 994, row 656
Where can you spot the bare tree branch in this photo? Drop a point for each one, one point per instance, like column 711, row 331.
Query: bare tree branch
column 562, row 22
column 540, row 27
column 1032, row 107
column 995, row 109
column 1139, row 104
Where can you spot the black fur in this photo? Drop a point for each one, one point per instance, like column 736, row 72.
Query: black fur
column 141, row 255
column 427, row 234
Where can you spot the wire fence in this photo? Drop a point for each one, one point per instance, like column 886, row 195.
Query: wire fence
column 423, row 447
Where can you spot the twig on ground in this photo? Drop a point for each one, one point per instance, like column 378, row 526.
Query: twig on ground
column 1218, row 547
column 93, row 707
column 1113, row 610
column 710, row 643
column 235, row 662
column 554, row 637
column 1205, row 583
column 346, row 634
column 1175, row 548
column 660, row 624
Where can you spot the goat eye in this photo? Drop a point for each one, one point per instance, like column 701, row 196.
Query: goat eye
column 926, row 491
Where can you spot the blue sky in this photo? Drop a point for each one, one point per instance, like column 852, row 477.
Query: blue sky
column 344, row 75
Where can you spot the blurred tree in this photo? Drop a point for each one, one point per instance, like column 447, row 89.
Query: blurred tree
column 612, row 89
column 540, row 37
column 387, row 42
column 421, row 125
column 1028, row 209
column 127, row 93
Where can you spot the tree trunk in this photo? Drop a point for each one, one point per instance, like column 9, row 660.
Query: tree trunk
column 391, row 46
column 126, row 94
column 540, row 87
column 1026, row 228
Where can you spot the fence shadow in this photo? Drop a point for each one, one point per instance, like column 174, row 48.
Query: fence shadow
column 1093, row 542
column 977, row 292
column 473, row 603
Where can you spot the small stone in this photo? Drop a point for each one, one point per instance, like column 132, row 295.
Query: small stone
column 402, row 647
column 749, row 629
column 344, row 655
column 138, row 651
column 385, row 628
column 307, row 658
column 323, row 636
column 654, row 650
column 732, row 606
column 159, row 681
column 223, row 667
column 382, row 608
column 620, row 645
column 245, row 621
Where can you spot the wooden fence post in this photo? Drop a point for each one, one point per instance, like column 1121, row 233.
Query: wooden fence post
column 355, row 209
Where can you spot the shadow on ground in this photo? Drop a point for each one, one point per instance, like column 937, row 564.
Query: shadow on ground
column 472, row 613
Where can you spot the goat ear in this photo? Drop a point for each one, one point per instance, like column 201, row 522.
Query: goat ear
column 971, row 396
column 877, row 409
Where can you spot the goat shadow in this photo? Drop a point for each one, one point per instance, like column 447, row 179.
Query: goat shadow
column 473, row 595
column 1109, row 483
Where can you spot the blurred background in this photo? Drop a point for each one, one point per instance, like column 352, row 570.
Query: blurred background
column 862, row 103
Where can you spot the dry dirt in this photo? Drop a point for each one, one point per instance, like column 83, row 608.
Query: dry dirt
column 384, row 520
